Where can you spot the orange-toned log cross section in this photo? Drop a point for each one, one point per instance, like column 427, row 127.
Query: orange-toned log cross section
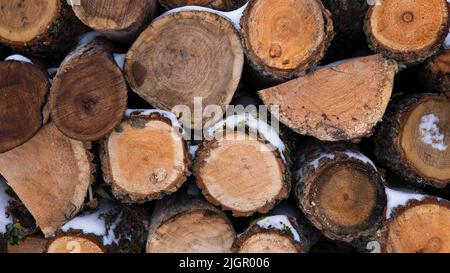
column 340, row 102
column 145, row 158
column 409, row 31
column 414, row 140
column 419, row 227
column 285, row 38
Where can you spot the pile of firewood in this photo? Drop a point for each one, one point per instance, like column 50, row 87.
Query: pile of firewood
column 96, row 154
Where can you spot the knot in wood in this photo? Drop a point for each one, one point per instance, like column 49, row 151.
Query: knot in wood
column 158, row 175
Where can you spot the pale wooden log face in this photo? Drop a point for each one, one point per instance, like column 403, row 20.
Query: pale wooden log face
column 74, row 244
column 422, row 227
column 268, row 243
column 146, row 158
column 408, row 25
column 23, row 88
column 22, row 21
column 285, row 34
column 425, row 138
column 51, row 174
column 242, row 174
column 194, row 231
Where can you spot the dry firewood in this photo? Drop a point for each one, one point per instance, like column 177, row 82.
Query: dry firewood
column 284, row 39
column 183, row 55
column 243, row 166
column 223, row 5
column 51, row 175
column 340, row 191
column 417, row 224
column 112, row 228
column 116, row 19
column 409, row 31
column 89, row 93
column 23, row 88
column 435, row 75
column 146, row 157
column 342, row 101
column 41, row 27
column 185, row 223
column 32, row 244
column 414, row 139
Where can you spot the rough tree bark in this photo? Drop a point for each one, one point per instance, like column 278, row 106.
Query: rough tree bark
column 40, row 27
column 146, row 157
column 23, row 88
column 31, row 245
column 243, row 166
column 185, row 223
column 51, row 175
column 118, row 19
column 183, row 55
column 285, row 39
column 340, row 191
column 342, row 101
column 89, row 93
column 408, row 31
column 414, row 139
column 222, row 5
column 435, row 74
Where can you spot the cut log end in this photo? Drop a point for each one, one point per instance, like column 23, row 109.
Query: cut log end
column 415, row 140
column 422, row 33
column 223, row 5
column 269, row 242
column 145, row 158
column 75, row 243
column 23, row 88
column 241, row 173
column 419, row 227
column 89, row 93
column 29, row 245
column 206, row 60
column 285, row 38
column 339, row 102
column 117, row 19
column 436, row 74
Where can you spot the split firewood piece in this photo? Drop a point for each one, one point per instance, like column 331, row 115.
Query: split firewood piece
column 117, row 19
column 340, row 191
column 184, row 55
column 89, row 93
column 23, row 89
column 38, row 26
column 414, row 139
column 284, row 39
column 243, row 166
column 339, row 102
column 51, row 175
column 222, row 5
column 435, row 75
column 409, row 31
column 145, row 157
column 5, row 198
column 418, row 224
column 32, row 244
column 110, row 229
column 185, row 223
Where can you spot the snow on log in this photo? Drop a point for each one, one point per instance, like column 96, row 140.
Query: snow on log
column 414, row 139
column 185, row 55
column 243, row 166
column 120, row 20
column 38, row 27
column 51, row 175
column 284, row 39
column 408, row 31
column 145, row 157
column 340, row 191
column 23, row 89
column 185, row 223
column 339, row 102
column 89, row 93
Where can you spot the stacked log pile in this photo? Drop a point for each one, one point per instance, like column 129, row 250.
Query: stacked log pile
column 283, row 121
